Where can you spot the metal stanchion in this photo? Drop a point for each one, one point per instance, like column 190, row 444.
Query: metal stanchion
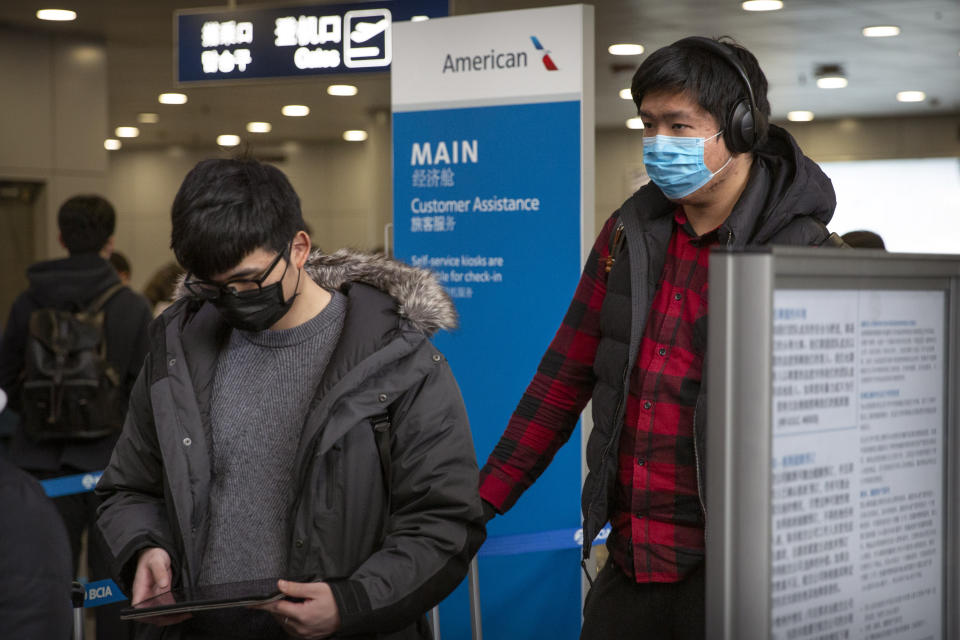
column 474, row 583
column 76, row 597
column 435, row 622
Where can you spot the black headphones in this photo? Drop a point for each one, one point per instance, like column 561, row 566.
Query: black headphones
column 744, row 122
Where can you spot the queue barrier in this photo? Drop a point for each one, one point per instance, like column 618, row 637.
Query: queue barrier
column 103, row 592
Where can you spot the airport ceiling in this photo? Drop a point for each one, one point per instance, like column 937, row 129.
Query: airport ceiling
column 790, row 43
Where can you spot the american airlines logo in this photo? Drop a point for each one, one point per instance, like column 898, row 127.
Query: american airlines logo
column 496, row 60
column 547, row 60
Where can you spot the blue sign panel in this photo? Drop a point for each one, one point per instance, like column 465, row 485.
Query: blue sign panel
column 489, row 199
column 272, row 42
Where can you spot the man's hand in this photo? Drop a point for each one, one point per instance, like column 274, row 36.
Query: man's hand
column 316, row 617
column 154, row 577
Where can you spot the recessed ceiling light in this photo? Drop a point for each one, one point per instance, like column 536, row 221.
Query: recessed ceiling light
column 57, row 15
column 172, row 98
column 881, row 31
column 259, row 127
column 419, row 18
column 800, row 116
column 127, row 132
column 228, row 140
column 911, row 96
column 355, row 135
column 112, row 144
column 625, row 49
column 625, row 94
column 148, row 118
column 295, row 110
column 342, row 90
column 635, row 123
column 762, row 5
column 832, row 82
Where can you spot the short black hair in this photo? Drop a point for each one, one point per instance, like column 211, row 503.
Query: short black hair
column 863, row 239
column 227, row 208
column 120, row 263
column 711, row 81
column 86, row 222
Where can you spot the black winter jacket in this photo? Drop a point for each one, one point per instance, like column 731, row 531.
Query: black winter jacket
column 388, row 558
column 72, row 284
column 787, row 201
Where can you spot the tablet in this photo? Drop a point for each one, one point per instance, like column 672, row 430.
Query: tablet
column 206, row 597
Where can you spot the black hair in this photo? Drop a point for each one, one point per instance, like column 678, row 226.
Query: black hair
column 711, row 81
column 86, row 223
column 863, row 239
column 120, row 262
column 227, row 208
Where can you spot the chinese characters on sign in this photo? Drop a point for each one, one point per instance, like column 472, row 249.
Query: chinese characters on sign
column 857, row 468
column 225, row 34
column 432, row 223
column 305, row 39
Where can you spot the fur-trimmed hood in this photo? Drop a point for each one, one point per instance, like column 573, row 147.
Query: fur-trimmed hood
column 420, row 298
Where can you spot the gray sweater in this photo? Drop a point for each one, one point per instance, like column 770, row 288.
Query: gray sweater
column 261, row 392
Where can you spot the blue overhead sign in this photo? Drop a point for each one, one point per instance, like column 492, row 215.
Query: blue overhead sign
column 276, row 42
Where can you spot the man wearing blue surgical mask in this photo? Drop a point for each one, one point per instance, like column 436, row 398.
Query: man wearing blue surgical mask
column 634, row 338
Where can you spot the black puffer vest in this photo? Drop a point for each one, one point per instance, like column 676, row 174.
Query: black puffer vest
column 788, row 201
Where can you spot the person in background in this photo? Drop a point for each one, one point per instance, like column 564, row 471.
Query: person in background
column 292, row 421
column 162, row 285
column 634, row 337
column 86, row 224
column 35, row 574
column 122, row 266
column 862, row 239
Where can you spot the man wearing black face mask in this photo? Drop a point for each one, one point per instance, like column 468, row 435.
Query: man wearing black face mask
column 291, row 421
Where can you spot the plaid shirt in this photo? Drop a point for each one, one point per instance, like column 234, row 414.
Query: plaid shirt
column 656, row 517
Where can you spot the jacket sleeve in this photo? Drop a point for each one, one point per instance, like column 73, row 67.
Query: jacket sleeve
column 548, row 411
column 133, row 513
column 435, row 527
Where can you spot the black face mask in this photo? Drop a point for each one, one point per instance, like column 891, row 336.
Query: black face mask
column 256, row 310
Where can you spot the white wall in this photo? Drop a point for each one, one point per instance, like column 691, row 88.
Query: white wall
column 344, row 201
column 54, row 108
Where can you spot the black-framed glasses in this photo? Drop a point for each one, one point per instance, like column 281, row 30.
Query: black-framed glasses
column 208, row 290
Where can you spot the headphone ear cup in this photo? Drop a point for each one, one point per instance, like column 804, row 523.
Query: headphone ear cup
column 741, row 129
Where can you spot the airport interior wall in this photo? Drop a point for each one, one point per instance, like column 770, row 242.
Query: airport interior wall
column 57, row 118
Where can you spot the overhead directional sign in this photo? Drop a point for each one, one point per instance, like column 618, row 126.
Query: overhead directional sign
column 270, row 42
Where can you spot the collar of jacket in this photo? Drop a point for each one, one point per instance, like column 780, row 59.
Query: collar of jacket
column 391, row 309
column 419, row 297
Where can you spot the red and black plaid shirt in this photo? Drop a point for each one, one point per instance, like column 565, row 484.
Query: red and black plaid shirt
column 656, row 516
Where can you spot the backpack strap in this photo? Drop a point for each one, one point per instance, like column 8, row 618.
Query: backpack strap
column 617, row 238
column 833, row 240
column 98, row 303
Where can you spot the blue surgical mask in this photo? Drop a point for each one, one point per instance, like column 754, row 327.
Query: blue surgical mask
column 675, row 164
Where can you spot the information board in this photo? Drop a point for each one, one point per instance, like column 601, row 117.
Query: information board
column 218, row 44
column 857, row 466
column 492, row 170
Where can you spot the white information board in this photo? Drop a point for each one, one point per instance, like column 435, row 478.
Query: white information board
column 857, row 470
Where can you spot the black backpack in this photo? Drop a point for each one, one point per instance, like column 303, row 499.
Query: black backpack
column 70, row 391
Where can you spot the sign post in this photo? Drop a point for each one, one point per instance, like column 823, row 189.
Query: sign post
column 493, row 190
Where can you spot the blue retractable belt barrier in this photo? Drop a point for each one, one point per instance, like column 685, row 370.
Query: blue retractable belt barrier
column 540, row 541
column 101, row 592
column 69, row 485
column 106, row 591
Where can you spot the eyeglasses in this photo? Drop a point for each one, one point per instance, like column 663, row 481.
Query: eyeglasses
column 208, row 290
